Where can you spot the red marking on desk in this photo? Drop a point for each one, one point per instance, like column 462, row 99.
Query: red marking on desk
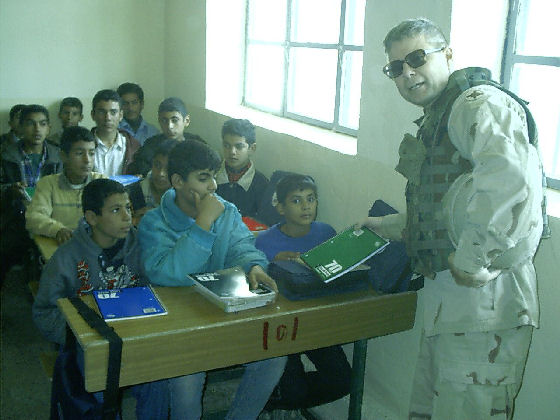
column 265, row 335
column 294, row 332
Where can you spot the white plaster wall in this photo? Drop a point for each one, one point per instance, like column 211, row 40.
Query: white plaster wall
column 57, row 48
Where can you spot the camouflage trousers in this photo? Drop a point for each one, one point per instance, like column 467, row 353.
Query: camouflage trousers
column 469, row 376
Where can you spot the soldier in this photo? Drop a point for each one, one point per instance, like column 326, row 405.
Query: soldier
column 476, row 142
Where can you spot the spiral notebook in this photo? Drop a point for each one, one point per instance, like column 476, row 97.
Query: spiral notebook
column 128, row 303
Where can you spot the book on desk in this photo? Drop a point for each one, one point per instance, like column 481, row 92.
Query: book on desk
column 229, row 289
column 343, row 252
column 128, row 303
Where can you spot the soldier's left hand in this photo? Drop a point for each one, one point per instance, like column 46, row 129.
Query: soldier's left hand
column 478, row 279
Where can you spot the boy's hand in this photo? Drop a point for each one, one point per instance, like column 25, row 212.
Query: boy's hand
column 63, row 235
column 257, row 275
column 208, row 209
column 287, row 256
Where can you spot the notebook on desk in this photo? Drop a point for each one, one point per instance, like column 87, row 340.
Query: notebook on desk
column 229, row 289
column 128, row 303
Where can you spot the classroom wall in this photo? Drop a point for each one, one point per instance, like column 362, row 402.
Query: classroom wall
column 53, row 49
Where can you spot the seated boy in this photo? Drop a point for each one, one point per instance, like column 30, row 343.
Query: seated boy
column 238, row 180
column 194, row 230
column 56, row 206
column 173, row 119
column 12, row 136
column 146, row 194
column 21, row 166
column 132, row 97
column 70, row 114
column 103, row 253
column 115, row 148
column 297, row 202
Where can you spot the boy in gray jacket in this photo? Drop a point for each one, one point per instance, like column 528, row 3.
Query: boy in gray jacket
column 103, row 253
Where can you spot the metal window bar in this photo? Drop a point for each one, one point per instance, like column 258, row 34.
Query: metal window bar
column 341, row 48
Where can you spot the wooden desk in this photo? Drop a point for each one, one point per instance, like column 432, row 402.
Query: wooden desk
column 197, row 335
column 47, row 246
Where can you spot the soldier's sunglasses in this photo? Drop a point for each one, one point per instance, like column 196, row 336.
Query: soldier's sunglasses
column 414, row 59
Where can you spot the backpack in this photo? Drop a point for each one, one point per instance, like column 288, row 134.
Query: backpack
column 390, row 270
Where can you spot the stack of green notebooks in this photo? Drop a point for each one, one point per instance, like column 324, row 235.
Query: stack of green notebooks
column 343, row 252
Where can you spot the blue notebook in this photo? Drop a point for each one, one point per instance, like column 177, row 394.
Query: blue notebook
column 125, row 179
column 128, row 303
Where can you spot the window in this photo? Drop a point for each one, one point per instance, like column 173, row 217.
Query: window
column 303, row 60
column 531, row 68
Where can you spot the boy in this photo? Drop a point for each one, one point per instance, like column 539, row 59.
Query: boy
column 173, row 119
column 194, row 230
column 21, row 166
column 12, row 136
column 132, row 97
column 146, row 194
column 56, row 206
column 115, row 148
column 103, row 253
column 297, row 202
column 238, row 180
column 71, row 114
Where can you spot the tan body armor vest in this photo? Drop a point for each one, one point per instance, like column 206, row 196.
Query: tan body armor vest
column 431, row 163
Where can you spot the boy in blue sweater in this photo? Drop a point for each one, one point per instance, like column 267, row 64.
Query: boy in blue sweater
column 297, row 202
column 194, row 230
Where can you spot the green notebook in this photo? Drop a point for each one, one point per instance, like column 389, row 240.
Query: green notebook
column 343, row 252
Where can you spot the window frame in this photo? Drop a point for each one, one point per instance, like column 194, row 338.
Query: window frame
column 287, row 44
column 510, row 58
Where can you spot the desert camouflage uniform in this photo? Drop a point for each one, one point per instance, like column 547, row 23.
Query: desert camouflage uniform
column 475, row 339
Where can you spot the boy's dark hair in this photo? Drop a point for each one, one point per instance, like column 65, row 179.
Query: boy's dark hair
column 73, row 102
column 293, row 182
column 173, row 105
column 31, row 109
column 106, row 95
column 15, row 109
column 189, row 156
column 164, row 148
column 129, row 87
column 241, row 128
column 72, row 135
column 95, row 193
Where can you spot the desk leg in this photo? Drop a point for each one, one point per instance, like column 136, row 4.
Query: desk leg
column 357, row 384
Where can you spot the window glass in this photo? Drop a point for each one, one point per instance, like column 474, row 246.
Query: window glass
column 536, row 34
column 351, row 88
column 264, row 77
column 267, row 21
column 532, row 83
column 316, row 21
column 355, row 18
column 299, row 66
column 312, row 82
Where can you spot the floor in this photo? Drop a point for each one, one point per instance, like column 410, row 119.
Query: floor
column 25, row 386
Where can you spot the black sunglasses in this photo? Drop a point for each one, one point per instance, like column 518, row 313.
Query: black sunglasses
column 414, row 59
